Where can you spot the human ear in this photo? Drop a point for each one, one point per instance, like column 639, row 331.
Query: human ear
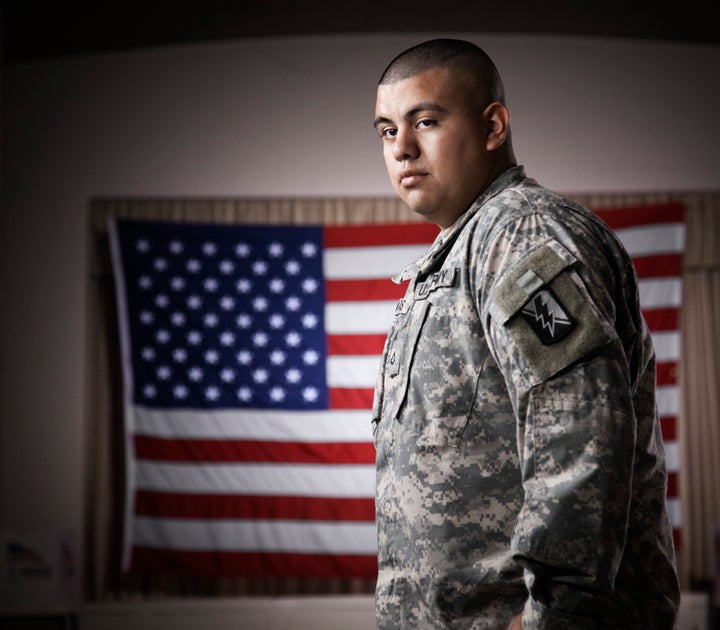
column 497, row 125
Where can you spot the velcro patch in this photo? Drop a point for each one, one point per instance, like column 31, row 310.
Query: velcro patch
column 547, row 317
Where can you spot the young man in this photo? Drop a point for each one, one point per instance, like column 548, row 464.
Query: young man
column 520, row 467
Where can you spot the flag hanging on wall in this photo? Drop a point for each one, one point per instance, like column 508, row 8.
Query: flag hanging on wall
column 250, row 355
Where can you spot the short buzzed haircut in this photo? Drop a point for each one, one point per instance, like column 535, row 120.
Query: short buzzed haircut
column 455, row 54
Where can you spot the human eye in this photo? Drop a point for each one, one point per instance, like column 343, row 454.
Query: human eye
column 425, row 123
column 387, row 133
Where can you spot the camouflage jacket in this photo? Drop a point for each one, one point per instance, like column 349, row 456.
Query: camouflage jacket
column 520, row 463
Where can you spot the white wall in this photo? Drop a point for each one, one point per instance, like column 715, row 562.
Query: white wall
column 273, row 117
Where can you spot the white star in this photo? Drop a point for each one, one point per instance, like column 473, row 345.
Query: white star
column 162, row 336
column 180, row 355
column 160, row 264
column 242, row 250
column 180, row 391
column 310, row 285
column 310, row 357
column 277, row 394
column 310, row 394
column 310, row 320
column 293, row 375
column 227, row 338
column 260, row 303
column 212, row 393
column 177, row 318
column 277, row 357
column 277, row 285
column 194, row 337
column 293, row 339
column 309, row 249
column 244, row 320
column 260, row 375
column 194, row 302
column 276, row 321
column 243, row 285
column 163, row 372
column 227, row 266
column 142, row 245
column 292, row 267
column 227, row 303
column 177, row 283
column 176, row 247
column 146, row 317
column 259, row 267
column 148, row 354
column 210, row 320
column 145, row 282
column 244, row 393
column 293, row 303
column 227, row 375
column 161, row 300
column 195, row 374
column 244, row 357
column 193, row 265
column 209, row 248
column 210, row 285
column 149, row 391
column 275, row 249
column 260, row 339
column 211, row 356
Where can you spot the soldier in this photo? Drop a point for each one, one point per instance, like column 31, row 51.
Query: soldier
column 520, row 467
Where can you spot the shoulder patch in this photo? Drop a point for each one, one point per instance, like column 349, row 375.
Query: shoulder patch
column 547, row 317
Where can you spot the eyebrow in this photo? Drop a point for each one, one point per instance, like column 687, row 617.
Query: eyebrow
column 420, row 107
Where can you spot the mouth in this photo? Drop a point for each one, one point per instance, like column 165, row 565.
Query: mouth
column 409, row 178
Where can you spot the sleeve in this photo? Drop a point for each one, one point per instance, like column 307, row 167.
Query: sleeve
column 551, row 332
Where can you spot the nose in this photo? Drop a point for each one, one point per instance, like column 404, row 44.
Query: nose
column 405, row 146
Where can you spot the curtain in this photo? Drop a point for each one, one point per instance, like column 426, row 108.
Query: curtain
column 700, row 406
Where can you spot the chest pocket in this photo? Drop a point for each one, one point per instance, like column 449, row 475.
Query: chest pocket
column 435, row 354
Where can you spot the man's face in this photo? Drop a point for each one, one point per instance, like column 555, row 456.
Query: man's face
column 434, row 143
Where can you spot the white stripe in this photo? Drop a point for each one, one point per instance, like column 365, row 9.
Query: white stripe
column 257, row 535
column 672, row 456
column 660, row 292
column 667, row 346
column 253, row 424
column 353, row 263
column 668, row 398
column 647, row 240
column 675, row 512
column 352, row 370
column 356, row 318
column 312, row 480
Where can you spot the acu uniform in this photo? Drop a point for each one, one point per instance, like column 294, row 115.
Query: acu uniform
column 520, row 463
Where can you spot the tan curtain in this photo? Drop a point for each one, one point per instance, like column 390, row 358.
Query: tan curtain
column 700, row 406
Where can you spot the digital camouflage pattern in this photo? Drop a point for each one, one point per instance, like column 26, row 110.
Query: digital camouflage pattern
column 520, row 463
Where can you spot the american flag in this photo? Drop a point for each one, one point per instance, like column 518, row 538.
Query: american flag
column 250, row 354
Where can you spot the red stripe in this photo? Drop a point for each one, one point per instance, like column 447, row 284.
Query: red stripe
column 672, row 485
column 227, row 563
column 640, row 216
column 668, row 425
column 351, row 398
column 232, row 506
column 363, row 290
column 356, row 344
column 659, row 266
column 677, row 539
column 368, row 235
column 667, row 373
column 177, row 450
column 662, row 318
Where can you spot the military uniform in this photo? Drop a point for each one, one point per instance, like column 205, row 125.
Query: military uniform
column 520, row 463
